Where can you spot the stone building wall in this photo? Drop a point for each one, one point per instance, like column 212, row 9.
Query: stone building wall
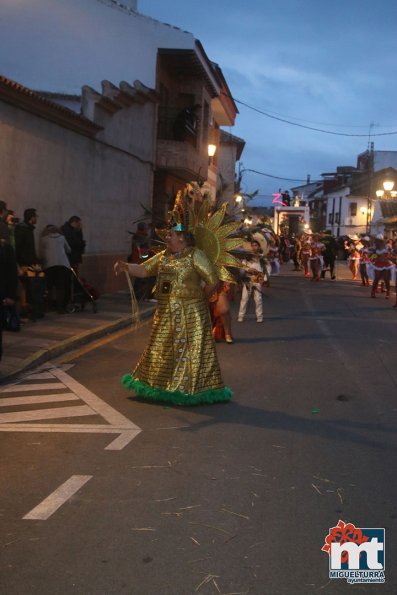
column 62, row 172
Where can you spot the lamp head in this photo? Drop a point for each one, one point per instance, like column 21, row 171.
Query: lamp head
column 211, row 150
column 388, row 185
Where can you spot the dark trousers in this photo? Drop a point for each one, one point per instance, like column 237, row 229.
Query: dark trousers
column 58, row 280
column 364, row 273
column 329, row 262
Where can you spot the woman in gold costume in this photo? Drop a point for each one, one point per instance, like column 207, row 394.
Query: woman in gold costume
column 180, row 364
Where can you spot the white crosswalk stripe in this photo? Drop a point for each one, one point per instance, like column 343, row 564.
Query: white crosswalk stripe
column 46, row 414
column 91, row 405
column 18, row 388
column 32, row 400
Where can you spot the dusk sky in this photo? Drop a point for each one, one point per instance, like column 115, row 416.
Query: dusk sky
column 328, row 65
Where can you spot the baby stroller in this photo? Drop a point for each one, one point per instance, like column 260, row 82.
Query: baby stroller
column 81, row 293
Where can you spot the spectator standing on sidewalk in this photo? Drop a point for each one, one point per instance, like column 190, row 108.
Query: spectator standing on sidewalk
column 73, row 232
column 4, row 232
column 24, row 240
column 30, row 272
column 11, row 221
column 8, row 281
column 54, row 249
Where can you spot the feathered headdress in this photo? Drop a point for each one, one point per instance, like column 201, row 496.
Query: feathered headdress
column 177, row 217
column 194, row 213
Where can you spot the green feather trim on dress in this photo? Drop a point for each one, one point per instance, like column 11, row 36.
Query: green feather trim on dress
column 177, row 398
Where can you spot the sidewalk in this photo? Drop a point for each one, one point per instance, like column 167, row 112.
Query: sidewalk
column 55, row 334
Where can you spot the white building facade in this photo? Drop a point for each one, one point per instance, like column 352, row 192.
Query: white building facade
column 86, row 128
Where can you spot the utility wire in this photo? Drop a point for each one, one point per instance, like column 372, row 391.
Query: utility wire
column 259, row 111
column 330, row 124
column 261, row 173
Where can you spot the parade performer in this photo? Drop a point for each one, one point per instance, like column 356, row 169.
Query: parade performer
column 316, row 257
column 365, row 261
column 354, row 260
column 274, row 257
column 220, row 312
column 180, row 364
column 305, row 254
column 382, row 265
column 253, row 282
column 329, row 254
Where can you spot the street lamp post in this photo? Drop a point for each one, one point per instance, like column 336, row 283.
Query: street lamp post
column 384, row 193
column 387, row 191
column 211, row 153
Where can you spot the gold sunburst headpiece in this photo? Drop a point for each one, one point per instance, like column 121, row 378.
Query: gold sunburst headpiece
column 194, row 213
column 212, row 236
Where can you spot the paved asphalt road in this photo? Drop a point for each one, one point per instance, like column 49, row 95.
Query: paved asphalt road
column 231, row 498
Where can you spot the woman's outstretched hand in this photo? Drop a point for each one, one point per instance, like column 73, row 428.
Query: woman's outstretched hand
column 119, row 267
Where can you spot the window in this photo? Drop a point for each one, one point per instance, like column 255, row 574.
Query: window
column 353, row 209
column 179, row 119
column 337, row 218
column 330, row 218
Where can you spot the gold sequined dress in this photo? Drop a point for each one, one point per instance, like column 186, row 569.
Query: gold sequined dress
column 180, row 364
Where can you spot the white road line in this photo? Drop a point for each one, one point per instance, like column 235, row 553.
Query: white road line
column 40, row 376
column 65, row 428
column 55, row 500
column 28, row 387
column 112, row 416
column 19, row 421
column 122, row 440
column 8, row 401
column 46, row 414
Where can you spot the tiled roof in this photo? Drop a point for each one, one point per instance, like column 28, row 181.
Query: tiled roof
column 22, row 97
column 226, row 137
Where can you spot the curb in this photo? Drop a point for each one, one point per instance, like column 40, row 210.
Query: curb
column 44, row 355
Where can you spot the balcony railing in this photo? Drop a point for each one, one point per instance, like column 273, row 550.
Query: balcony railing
column 178, row 125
